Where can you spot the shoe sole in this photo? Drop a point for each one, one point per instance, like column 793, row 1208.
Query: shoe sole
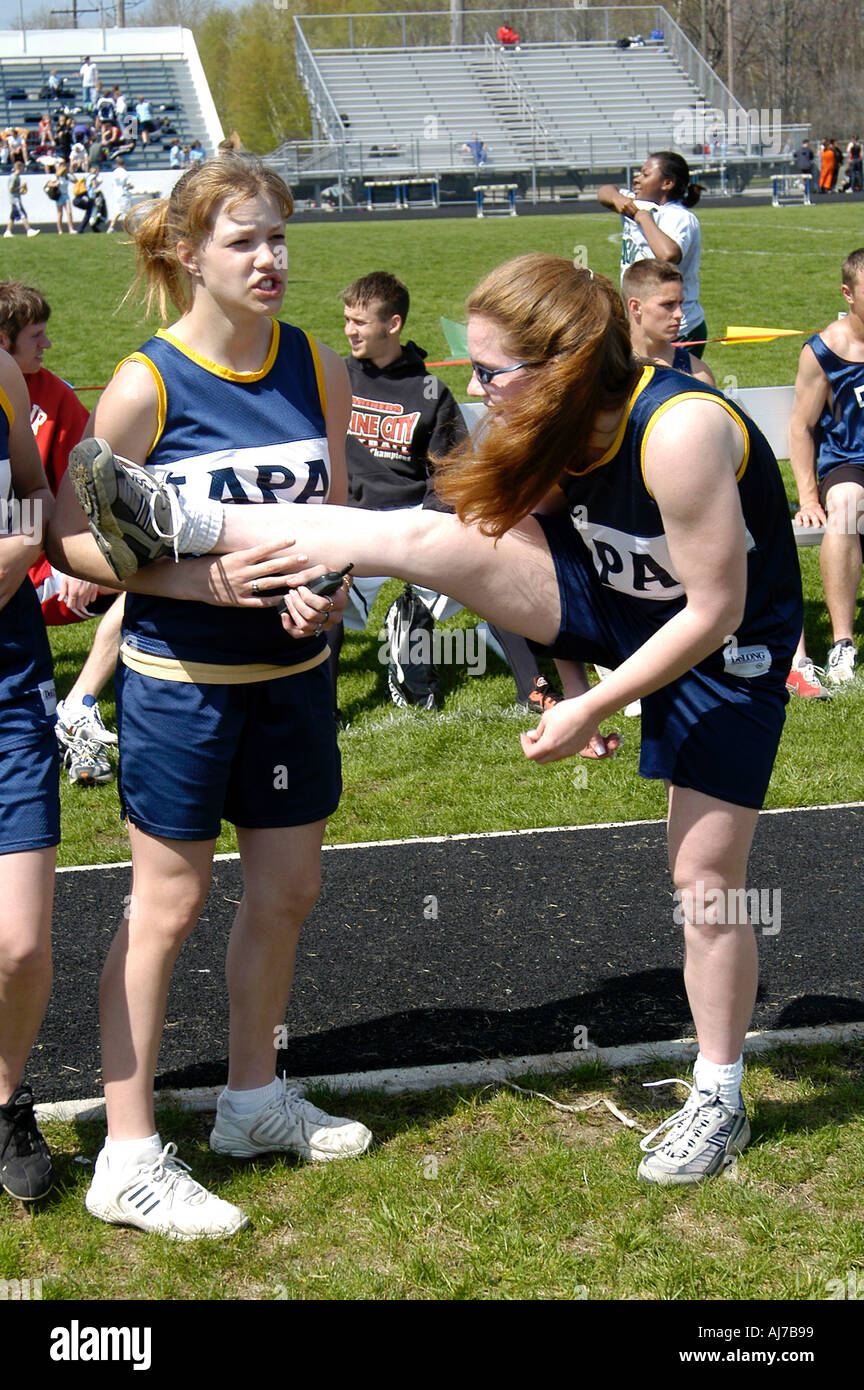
column 86, row 779
column 91, row 468
column 725, row 1160
column 113, row 1218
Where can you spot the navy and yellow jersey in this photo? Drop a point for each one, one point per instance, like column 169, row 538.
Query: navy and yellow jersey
column 839, row 434
column 240, row 438
column 620, row 526
column 26, row 680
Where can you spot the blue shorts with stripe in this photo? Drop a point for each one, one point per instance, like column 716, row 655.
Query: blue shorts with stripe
column 262, row 755
column 30, row 793
column 709, row 730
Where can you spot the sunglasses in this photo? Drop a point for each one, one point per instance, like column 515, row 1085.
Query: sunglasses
column 485, row 374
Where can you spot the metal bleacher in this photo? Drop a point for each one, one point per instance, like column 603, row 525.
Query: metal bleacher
column 165, row 81
column 572, row 104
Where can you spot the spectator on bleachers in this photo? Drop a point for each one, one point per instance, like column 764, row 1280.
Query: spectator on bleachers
column 52, row 86
column 78, row 163
column 5, row 156
column 105, row 109
column 17, row 188
column 82, row 128
column 89, row 75
column 17, row 138
column 95, row 152
column 196, row 152
column 478, row 150
column 146, row 123
column 508, row 38
column 175, row 156
column 63, row 136
column 110, row 139
column 121, row 105
column 44, row 136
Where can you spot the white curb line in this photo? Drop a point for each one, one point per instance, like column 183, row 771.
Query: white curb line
column 406, row 1079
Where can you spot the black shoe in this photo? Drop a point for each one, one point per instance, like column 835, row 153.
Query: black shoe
column 542, row 696
column 25, row 1163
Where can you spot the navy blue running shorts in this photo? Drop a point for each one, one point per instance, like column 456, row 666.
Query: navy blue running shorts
column 711, row 732
column 262, row 755
column 30, row 794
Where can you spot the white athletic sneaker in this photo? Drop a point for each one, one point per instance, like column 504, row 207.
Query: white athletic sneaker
column 157, row 1195
column 73, row 721
column 703, row 1138
column 288, row 1124
column 841, row 662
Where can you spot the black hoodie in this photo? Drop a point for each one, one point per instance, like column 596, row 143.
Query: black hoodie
column 399, row 415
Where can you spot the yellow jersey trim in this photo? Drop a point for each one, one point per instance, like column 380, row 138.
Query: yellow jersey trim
column 7, row 407
column 319, row 373
column 647, row 374
column 215, row 367
column 161, row 394
column 694, row 396
column 168, row 668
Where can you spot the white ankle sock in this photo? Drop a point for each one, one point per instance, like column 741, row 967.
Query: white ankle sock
column 247, row 1102
column 120, row 1152
column 202, row 526
column 726, row 1078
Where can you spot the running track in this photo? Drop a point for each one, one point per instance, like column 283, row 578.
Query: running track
column 537, row 933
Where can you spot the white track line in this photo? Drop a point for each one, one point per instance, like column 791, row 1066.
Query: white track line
column 490, row 835
column 400, row 1080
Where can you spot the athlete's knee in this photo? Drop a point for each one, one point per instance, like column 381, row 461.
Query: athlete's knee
column 169, row 908
column 25, row 956
column 844, row 509
column 711, row 904
column 287, row 910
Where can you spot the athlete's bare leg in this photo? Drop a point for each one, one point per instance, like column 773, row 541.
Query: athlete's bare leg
column 709, row 845
column 840, row 557
column 27, row 886
column 282, row 880
column 511, row 582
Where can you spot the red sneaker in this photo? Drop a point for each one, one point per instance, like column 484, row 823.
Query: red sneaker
column 804, row 680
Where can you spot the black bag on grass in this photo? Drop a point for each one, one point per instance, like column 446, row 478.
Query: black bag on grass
column 411, row 676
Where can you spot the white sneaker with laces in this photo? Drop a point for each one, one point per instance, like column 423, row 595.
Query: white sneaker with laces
column 288, row 1124
column 841, row 662
column 157, row 1195
column 703, row 1138
column 86, row 719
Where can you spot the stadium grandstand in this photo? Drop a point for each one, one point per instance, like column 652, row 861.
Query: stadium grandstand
column 433, row 98
column 159, row 64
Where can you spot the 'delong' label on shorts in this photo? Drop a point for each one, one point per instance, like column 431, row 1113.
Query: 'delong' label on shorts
column 745, row 661
column 49, row 696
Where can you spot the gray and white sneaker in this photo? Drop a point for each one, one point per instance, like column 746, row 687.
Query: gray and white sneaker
column 135, row 519
column 85, row 719
column 840, row 665
column 288, row 1124
column 703, row 1138
column 87, row 763
column 158, row 1195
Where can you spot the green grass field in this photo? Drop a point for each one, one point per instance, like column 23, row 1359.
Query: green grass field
column 521, row 1201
